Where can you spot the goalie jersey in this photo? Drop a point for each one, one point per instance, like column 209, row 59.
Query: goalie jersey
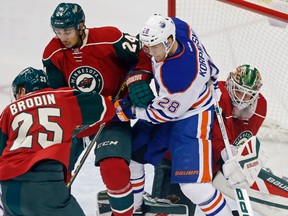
column 238, row 130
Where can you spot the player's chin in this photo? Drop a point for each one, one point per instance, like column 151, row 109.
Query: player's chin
column 67, row 45
column 159, row 58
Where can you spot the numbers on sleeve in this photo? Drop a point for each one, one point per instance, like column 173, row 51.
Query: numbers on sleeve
column 169, row 105
column 130, row 44
column 24, row 121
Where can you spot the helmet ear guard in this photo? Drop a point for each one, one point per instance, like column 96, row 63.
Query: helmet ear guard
column 243, row 86
column 67, row 15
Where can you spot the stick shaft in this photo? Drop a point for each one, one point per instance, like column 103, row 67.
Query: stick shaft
column 241, row 195
column 85, row 155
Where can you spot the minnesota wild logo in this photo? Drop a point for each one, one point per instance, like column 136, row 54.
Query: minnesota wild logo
column 86, row 82
column 242, row 138
column 86, row 79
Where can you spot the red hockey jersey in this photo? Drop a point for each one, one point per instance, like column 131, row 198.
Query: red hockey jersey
column 238, row 130
column 40, row 125
column 99, row 65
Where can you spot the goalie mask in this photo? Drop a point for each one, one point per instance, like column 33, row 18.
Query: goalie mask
column 31, row 79
column 243, row 86
column 157, row 29
column 67, row 15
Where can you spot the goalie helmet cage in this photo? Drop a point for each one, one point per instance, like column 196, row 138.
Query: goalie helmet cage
column 251, row 32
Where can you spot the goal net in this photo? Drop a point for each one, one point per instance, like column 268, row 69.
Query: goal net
column 234, row 35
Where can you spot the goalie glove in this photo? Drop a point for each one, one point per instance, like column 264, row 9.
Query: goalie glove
column 124, row 109
column 140, row 92
column 242, row 169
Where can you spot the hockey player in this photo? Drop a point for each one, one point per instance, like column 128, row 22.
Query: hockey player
column 180, row 118
column 98, row 60
column 35, row 140
column 243, row 110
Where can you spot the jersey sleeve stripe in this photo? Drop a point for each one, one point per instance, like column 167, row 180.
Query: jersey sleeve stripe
column 207, row 172
column 206, row 95
column 158, row 117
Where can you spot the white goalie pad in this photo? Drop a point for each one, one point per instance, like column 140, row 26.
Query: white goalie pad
column 242, row 169
column 268, row 195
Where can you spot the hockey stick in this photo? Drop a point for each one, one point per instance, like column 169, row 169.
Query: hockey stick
column 91, row 145
column 241, row 195
column 85, row 155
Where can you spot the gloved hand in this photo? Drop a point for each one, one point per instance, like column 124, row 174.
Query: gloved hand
column 140, row 92
column 242, row 169
column 234, row 174
column 124, row 109
column 224, row 154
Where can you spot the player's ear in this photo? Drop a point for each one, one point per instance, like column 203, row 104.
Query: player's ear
column 21, row 92
column 170, row 40
column 82, row 27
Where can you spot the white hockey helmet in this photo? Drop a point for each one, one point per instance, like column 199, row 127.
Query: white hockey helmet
column 157, row 29
column 243, row 86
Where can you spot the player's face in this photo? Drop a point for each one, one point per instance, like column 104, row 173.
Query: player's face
column 157, row 51
column 69, row 37
column 242, row 96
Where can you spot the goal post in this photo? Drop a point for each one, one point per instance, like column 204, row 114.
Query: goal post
column 263, row 7
column 239, row 33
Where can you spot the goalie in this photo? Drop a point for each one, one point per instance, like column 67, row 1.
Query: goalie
column 243, row 115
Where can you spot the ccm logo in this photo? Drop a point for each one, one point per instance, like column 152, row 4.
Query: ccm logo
column 107, row 143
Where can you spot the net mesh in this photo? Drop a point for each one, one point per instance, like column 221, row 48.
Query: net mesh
column 234, row 36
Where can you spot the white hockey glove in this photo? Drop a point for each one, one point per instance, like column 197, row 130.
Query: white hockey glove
column 242, row 169
column 224, row 153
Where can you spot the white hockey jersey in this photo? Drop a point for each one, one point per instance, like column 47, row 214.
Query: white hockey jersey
column 182, row 80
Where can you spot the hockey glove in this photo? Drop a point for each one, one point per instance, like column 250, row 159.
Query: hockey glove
column 242, row 169
column 124, row 109
column 140, row 92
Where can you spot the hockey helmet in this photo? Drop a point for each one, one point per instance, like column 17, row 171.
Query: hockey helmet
column 67, row 15
column 31, row 79
column 243, row 86
column 157, row 29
